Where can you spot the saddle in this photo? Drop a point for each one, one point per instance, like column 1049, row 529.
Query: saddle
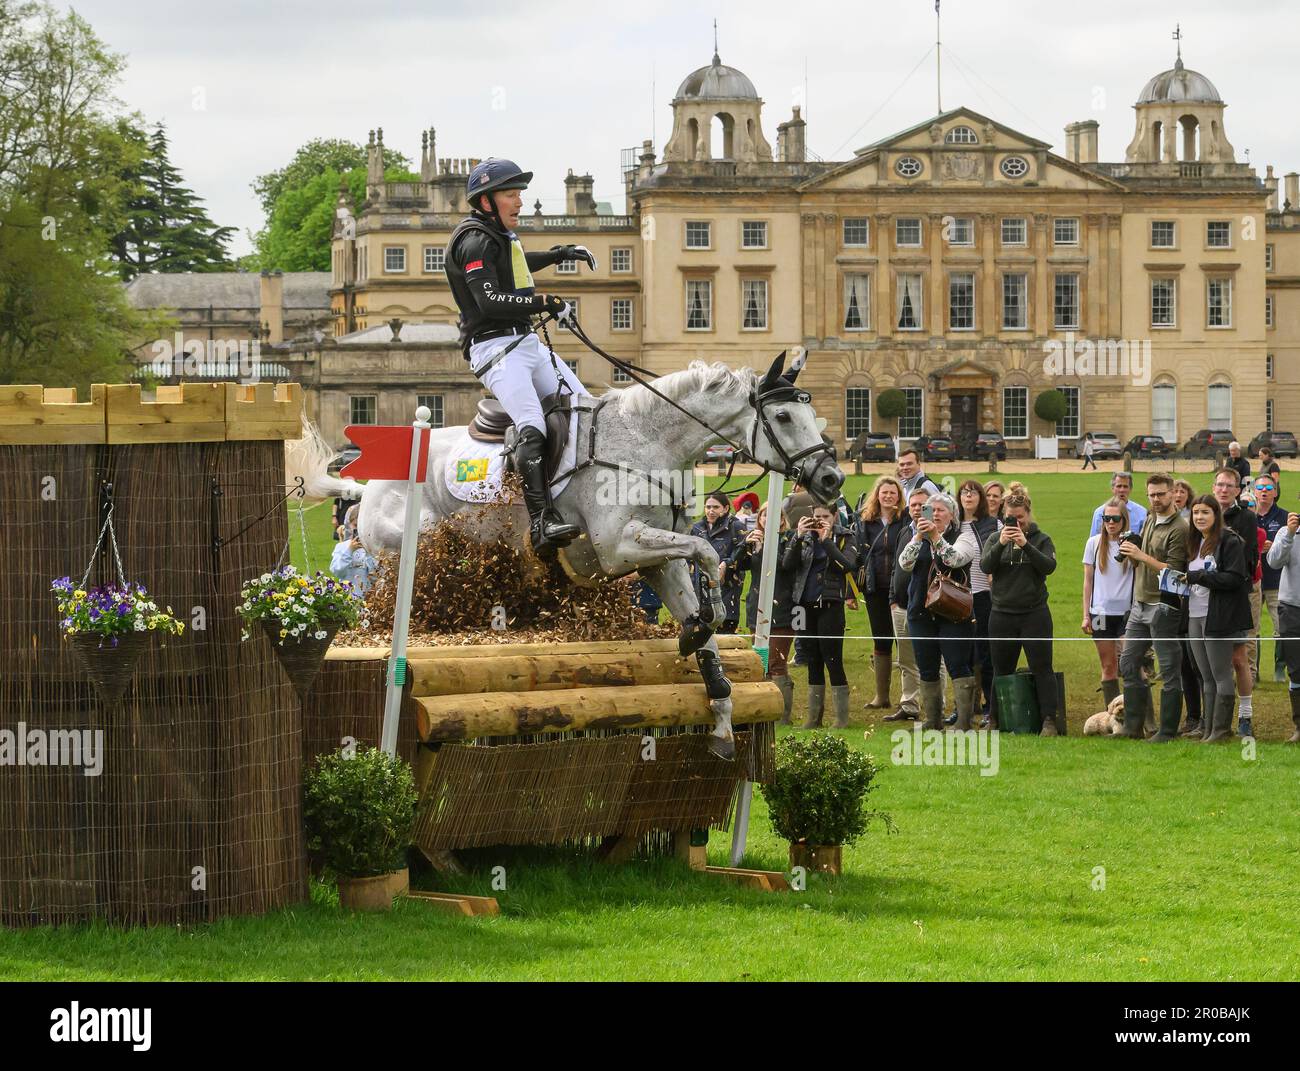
column 492, row 424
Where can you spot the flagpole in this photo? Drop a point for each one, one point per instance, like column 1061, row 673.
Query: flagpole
column 405, row 584
column 938, row 61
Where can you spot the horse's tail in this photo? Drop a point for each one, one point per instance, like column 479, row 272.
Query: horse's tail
column 309, row 457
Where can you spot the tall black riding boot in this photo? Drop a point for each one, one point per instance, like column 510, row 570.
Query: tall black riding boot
column 548, row 528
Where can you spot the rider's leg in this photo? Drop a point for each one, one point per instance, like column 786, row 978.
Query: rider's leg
column 544, row 373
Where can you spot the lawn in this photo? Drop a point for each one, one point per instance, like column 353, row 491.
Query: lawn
column 1081, row 859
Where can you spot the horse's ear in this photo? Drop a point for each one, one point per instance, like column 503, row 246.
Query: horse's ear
column 792, row 373
column 775, row 370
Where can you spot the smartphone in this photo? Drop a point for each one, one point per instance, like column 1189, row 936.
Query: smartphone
column 927, row 512
column 1011, row 522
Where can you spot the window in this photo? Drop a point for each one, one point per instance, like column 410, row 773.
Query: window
column 434, row 404
column 1013, row 231
column 907, row 232
column 1162, row 234
column 1015, row 312
column 620, row 377
column 908, row 167
column 1068, row 426
column 1218, row 303
column 699, row 304
column 699, row 235
column 961, row 135
column 566, row 267
column 1268, row 311
column 909, row 304
column 435, row 257
column 1014, row 167
column 361, row 409
column 1268, row 414
column 1065, row 231
column 1164, row 312
column 394, row 258
column 912, row 421
column 1218, row 405
column 1164, row 411
column 573, row 366
column 1268, row 257
column 620, row 259
column 961, row 232
column 572, row 301
column 753, row 234
column 1015, row 412
column 753, row 302
column 1268, row 366
column 1066, row 301
column 857, row 302
column 620, row 314
column 857, row 230
column 1218, row 234
column 857, row 411
column 961, row 302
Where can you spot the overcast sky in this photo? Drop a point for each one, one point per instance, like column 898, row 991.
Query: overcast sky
column 553, row 85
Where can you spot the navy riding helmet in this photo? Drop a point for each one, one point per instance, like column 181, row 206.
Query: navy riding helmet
column 495, row 174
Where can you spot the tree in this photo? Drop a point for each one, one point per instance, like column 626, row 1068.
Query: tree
column 891, row 404
column 313, row 160
column 167, row 228
column 1051, row 406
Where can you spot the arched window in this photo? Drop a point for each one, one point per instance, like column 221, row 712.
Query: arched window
column 1157, row 146
column 961, row 135
column 1218, row 406
column 722, row 132
column 692, row 137
column 1164, row 411
column 1191, row 130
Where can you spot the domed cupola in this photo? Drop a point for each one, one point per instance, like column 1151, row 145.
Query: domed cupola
column 1177, row 102
column 721, row 93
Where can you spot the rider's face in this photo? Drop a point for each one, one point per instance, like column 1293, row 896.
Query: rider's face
column 509, row 203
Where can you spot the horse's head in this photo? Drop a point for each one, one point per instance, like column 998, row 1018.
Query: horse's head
column 786, row 437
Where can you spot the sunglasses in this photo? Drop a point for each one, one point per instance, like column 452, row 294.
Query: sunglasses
column 1113, row 520
column 1265, row 487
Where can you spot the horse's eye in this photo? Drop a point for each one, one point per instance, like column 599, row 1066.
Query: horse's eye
column 782, row 416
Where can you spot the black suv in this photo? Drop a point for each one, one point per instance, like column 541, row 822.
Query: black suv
column 872, row 446
column 936, row 448
column 1148, row 446
column 985, row 445
column 1208, row 442
column 1282, row 443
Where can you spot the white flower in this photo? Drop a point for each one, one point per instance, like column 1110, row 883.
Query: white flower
column 321, row 634
column 266, row 577
column 139, row 624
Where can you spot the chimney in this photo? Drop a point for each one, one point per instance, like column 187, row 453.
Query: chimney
column 1270, row 184
column 791, row 139
column 584, row 199
column 1293, row 191
column 1081, row 142
column 272, row 301
column 646, row 160
column 571, row 193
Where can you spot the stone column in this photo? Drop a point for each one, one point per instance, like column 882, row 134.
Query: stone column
column 883, row 313
column 990, row 320
column 1092, row 295
column 937, row 298
column 1042, row 299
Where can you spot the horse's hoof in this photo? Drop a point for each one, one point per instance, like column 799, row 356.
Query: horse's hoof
column 724, row 748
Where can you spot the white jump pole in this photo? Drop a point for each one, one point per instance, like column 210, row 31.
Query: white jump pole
column 762, row 637
column 405, row 585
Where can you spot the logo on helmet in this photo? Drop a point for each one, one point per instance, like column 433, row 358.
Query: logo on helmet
column 485, row 177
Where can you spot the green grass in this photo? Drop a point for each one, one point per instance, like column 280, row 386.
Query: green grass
column 988, row 877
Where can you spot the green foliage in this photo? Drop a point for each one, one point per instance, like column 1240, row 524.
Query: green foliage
column 111, row 611
column 359, row 811
column 820, row 789
column 1051, row 406
column 313, row 160
column 891, row 404
column 299, row 604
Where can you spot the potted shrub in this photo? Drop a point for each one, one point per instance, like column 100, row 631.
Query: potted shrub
column 358, row 807
column 110, row 627
column 300, row 615
column 817, row 798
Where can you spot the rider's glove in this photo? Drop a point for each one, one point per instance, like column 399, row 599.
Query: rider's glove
column 576, row 252
column 567, row 316
column 555, row 305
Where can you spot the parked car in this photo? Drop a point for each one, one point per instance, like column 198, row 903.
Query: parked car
column 936, row 448
column 719, row 452
column 987, row 444
column 1148, row 446
column 1208, row 442
column 871, row 446
column 1282, row 443
column 348, row 455
column 1105, row 445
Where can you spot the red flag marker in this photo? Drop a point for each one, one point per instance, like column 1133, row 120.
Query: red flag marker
column 385, row 452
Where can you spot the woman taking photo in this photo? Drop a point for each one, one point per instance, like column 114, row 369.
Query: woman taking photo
column 1107, row 595
column 1218, row 612
column 882, row 523
column 976, row 520
column 940, row 546
column 727, row 536
column 750, row 559
column 821, row 558
column 1018, row 560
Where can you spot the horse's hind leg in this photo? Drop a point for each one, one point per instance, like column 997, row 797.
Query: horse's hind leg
column 671, row 581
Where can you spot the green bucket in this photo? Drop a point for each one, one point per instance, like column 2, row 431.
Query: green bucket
column 1017, row 700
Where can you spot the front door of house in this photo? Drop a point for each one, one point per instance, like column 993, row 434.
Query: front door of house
column 965, row 418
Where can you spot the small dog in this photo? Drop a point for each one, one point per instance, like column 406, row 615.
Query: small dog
column 1108, row 722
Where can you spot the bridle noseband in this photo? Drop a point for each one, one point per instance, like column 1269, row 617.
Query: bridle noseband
column 759, row 400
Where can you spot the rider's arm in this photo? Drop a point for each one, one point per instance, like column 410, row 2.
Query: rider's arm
column 548, row 259
column 475, row 255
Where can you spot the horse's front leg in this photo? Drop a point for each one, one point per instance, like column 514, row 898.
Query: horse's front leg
column 671, row 581
column 642, row 547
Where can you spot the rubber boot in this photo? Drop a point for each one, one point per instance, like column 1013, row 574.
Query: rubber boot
column 967, row 691
column 1136, row 700
column 816, row 700
column 1221, row 728
column 1110, row 690
column 1171, row 713
column 787, row 695
column 840, row 705
column 884, row 666
column 932, row 705
column 1294, row 693
column 547, row 528
column 1201, row 729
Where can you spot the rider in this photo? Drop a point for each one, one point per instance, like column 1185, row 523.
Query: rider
column 491, row 280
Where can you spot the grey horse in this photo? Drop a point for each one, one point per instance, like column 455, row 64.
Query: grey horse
column 644, row 444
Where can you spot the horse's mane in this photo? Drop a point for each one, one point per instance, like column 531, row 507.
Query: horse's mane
column 697, row 378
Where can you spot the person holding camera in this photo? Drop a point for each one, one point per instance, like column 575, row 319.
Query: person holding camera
column 1107, row 595
column 1121, row 487
column 1018, row 560
column 1271, row 520
column 1242, row 520
column 940, row 549
column 1218, row 611
column 822, row 556
column 780, row 635
column 1284, row 555
column 882, row 524
column 726, row 535
column 1154, row 619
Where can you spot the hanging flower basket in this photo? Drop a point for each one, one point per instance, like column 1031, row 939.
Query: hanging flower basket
column 110, row 627
column 300, row 615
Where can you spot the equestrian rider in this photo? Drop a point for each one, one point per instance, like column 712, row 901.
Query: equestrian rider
column 492, row 282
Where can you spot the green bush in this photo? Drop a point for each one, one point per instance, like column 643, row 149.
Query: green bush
column 1051, row 406
column 820, row 789
column 891, row 404
column 359, row 811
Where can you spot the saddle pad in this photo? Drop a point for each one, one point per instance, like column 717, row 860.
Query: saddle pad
column 474, row 470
